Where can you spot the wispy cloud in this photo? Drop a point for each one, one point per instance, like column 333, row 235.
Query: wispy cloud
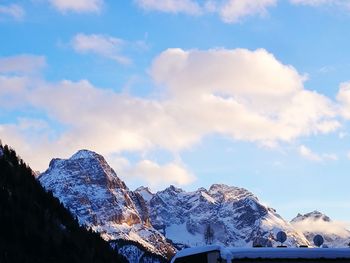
column 320, row 226
column 230, row 11
column 153, row 174
column 79, row 6
column 102, row 45
column 14, row 10
column 22, row 64
column 307, row 153
column 171, row 6
column 319, row 3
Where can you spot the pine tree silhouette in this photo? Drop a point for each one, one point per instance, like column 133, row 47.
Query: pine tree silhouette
column 36, row 227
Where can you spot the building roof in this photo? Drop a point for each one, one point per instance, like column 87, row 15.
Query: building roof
column 285, row 253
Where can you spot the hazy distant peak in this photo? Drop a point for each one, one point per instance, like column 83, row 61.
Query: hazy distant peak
column 314, row 215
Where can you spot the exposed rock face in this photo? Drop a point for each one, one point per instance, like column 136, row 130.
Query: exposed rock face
column 89, row 187
column 334, row 233
column 235, row 215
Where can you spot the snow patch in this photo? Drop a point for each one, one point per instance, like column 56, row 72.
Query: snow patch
column 208, row 197
column 145, row 192
column 82, row 154
column 180, row 234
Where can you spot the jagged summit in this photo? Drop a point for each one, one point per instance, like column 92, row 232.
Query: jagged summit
column 82, row 154
column 173, row 188
column 234, row 213
column 91, row 189
column 85, row 167
column 314, row 215
column 145, row 192
column 230, row 192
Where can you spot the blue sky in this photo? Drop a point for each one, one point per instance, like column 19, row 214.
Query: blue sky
column 254, row 94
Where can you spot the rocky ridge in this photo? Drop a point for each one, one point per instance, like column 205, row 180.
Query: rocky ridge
column 235, row 215
column 90, row 188
column 168, row 219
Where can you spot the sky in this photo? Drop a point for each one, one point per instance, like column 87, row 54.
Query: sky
column 254, row 94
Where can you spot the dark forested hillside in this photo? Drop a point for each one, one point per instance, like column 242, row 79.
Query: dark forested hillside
column 35, row 226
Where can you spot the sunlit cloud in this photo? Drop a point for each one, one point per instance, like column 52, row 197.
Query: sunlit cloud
column 155, row 175
column 238, row 97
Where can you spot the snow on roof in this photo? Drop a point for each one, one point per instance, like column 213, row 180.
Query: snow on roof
column 290, row 253
column 231, row 253
column 195, row 250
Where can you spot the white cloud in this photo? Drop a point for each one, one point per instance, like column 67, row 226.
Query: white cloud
column 13, row 10
column 236, row 93
column 153, row 174
column 230, row 11
column 320, row 226
column 310, row 155
column 233, row 93
column 106, row 46
column 80, row 6
column 311, row 2
column 22, row 64
column 234, row 10
column 318, row 3
column 343, row 98
column 330, row 156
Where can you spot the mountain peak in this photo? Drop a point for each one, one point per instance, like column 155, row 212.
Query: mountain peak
column 230, row 192
column 83, row 154
column 173, row 188
column 90, row 188
column 145, row 192
column 314, row 215
column 223, row 188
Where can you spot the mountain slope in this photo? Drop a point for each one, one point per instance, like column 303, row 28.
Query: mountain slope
column 235, row 215
column 335, row 234
column 87, row 185
column 35, row 226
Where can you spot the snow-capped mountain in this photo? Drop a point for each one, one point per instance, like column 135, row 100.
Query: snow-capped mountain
column 235, row 215
column 89, row 187
column 335, row 233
